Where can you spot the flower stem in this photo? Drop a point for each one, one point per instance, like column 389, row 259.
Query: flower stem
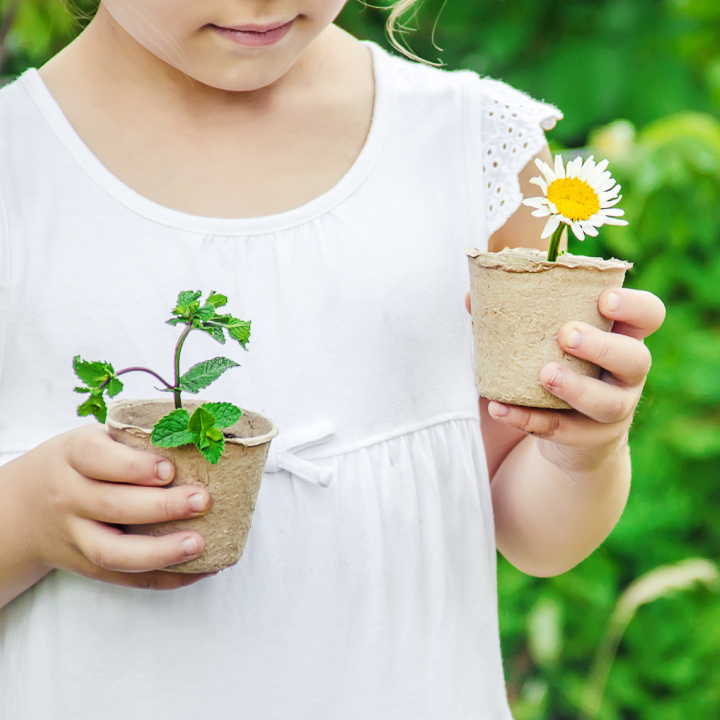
column 554, row 249
column 178, row 348
column 138, row 369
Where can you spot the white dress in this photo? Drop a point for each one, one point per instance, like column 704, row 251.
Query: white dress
column 371, row 598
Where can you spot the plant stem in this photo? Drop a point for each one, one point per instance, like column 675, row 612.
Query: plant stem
column 139, row 369
column 554, row 249
column 178, row 348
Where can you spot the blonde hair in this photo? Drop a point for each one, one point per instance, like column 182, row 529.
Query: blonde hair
column 395, row 28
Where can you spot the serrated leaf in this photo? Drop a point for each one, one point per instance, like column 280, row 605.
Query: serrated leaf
column 216, row 299
column 205, row 313
column 172, row 430
column 92, row 374
column 207, row 437
column 239, row 329
column 187, row 297
column 213, row 451
column 216, row 333
column 203, row 374
column 114, row 387
column 226, row 414
column 174, row 321
column 201, row 421
column 240, row 332
column 82, row 389
column 94, row 405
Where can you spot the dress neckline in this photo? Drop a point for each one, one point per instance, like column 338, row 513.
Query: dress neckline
column 155, row 212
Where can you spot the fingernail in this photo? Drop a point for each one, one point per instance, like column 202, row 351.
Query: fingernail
column 196, row 503
column 164, row 470
column 497, row 410
column 558, row 378
column 190, row 547
column 573, row 339
column 613, row 302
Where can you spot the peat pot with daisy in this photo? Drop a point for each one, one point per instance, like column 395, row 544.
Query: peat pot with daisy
column 522, row 297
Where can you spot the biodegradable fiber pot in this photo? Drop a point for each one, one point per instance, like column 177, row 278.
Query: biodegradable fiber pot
column 233, row 483
column 519, row 303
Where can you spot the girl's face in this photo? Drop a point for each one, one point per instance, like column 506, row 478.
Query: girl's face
column 234, row 45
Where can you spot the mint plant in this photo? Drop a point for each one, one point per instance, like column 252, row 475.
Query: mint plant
column 204, row 427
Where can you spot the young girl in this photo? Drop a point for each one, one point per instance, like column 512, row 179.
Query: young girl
column 329, row 189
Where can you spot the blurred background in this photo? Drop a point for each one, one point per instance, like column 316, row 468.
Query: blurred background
column 633, row 633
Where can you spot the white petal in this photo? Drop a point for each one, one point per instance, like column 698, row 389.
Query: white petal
column 579, row 234
column 559, row 167
column 553, row 207
column 588, row 228
column 546, row 170
column 536, row 202
column 606, row 186
column 551, row 226
column 609, row 194
column 587, row 168
column 541, row 212
column 540, row 183
column 611, row 212
column 614, row 221
column 597, row 181
column 598, row 171
column 573, row 167
column 610, row 203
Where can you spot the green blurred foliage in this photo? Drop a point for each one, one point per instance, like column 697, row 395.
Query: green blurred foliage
column 639, row 82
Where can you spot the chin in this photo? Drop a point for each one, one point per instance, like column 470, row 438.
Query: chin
column 242, row 75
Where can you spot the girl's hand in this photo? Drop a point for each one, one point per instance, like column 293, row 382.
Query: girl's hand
column 581, row 440
column 76, row 488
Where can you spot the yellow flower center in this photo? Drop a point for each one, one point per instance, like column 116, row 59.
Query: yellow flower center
column 573, row 198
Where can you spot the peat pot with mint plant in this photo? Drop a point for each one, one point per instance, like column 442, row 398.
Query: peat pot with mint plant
column 522, row 297
column 215, row 444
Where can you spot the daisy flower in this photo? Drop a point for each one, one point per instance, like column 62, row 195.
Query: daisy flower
column 583, row 196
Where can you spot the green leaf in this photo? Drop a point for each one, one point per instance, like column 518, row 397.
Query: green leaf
column 114, row 387
column 172, row 430
column 226, row 414
column 94, row 405
column 203, row 374
column 213, row 451
column 201, row 421
column 186, row 298
column 187, row 305
column 205, row 313
column 215, row 332
column 92, row 374
column 216, row 300
column 239, row 329
column 82, row 389
column 207, row 437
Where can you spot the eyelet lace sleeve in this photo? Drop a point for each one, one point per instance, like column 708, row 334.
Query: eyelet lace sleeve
column 511, row 131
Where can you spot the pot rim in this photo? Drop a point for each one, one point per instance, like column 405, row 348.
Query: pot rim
column 532, row 260
column 247, row 442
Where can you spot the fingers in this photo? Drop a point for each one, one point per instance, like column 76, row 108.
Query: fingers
column 564, row 427
column 94, row 454
column 637, row 313
column 110, row 549
column 467, row 303
column 127, row 505
column 598, row 400
column 627, row 358
column 157, row 580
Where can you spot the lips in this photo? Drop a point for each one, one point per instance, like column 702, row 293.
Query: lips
column 256, row 35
